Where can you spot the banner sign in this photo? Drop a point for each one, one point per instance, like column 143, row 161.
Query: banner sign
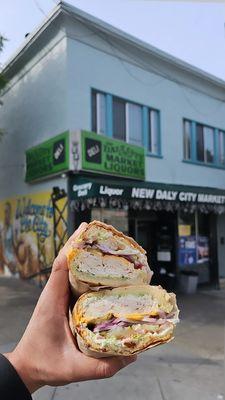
column 83, row 187
column 110, row 156
column 48, row 158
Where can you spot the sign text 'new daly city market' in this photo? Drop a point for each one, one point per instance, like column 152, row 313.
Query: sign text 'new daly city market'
column 142, row 193
column 95, row 189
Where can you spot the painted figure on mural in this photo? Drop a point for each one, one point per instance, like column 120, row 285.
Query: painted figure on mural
column 17, row 257
column 8, row 243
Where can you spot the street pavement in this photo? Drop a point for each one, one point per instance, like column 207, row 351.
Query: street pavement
column 189, row 368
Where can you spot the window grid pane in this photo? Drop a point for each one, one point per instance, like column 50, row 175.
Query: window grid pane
column 200, row 142
column 187, row 140
column 93, row 112
column 134, row 124
column 119, row 119
column 208, row 145
column 222, row 147
column 153, row 146
column 101, row 113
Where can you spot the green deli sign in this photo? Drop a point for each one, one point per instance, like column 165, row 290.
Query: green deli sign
column 110, row 156
column 48, row 158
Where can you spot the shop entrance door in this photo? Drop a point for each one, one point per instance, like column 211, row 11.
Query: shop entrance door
column 157, row 235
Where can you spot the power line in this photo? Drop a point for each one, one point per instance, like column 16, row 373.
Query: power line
column 153, row 68
column 40, row 8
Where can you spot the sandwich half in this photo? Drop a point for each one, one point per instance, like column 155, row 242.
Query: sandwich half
column 124, row 321
column 103, row 257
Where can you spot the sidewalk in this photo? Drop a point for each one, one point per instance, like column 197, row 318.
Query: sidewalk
column 189, row 368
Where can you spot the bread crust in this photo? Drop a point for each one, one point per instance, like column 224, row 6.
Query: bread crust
column 114, row 231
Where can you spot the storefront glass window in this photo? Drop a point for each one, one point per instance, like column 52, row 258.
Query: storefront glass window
column 186, row 240
column 117, row 218
column 194, row 244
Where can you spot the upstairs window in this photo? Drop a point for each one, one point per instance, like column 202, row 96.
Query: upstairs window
column 203, row 144
column 125, row 120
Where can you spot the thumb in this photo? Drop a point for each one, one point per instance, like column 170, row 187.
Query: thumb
column 59, row 275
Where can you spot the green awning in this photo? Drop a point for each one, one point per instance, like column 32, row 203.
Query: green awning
column 136, row 194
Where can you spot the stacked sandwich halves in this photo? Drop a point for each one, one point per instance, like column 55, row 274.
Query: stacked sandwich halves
column 117, row 313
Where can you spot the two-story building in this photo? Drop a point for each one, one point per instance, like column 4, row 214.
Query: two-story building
column 100, row 125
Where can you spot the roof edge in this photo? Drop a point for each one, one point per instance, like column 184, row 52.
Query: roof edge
column 118, row 33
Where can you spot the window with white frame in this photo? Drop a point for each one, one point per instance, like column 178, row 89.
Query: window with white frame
column 127, row 121
column 99, row 112
column 134, row 129
column 187, row 140
column 222, row 148
column 153, row 142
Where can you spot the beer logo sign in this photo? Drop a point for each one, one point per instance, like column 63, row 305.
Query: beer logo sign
column 59, row 152
column 93, row 151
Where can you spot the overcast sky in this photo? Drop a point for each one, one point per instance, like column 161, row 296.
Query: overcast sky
column 190, row 30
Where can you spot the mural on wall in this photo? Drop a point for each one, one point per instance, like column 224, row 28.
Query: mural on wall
column 27, row 236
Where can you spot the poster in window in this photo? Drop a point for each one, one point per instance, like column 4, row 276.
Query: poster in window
column 187, row 250
column 202, row 249
column 184, row 230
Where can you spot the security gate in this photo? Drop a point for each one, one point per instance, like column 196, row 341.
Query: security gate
column 60, row 225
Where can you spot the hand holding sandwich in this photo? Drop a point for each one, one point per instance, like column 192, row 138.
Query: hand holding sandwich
column 47, row 353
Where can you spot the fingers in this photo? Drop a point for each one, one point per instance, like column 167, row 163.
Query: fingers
column 109, row 367
column 58, row 280
column 91, row 368
column 60, row 262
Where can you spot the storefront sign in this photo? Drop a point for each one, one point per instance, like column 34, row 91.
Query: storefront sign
column 170, row 195
column 132, row 190
column 48, row 158
column 110, row 156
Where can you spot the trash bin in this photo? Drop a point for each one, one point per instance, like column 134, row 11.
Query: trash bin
column 188, row 282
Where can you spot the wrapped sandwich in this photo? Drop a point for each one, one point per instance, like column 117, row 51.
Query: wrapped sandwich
column 124, row 321
column 102, row 257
